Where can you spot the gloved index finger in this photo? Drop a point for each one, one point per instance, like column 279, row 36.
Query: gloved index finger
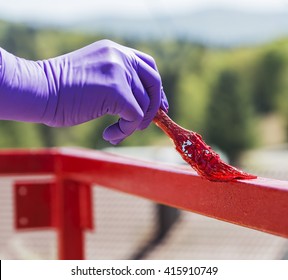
column 146, row 58
column 151, row 62
column 151, row 81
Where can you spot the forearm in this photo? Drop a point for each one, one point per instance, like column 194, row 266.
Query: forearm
column 23, row 89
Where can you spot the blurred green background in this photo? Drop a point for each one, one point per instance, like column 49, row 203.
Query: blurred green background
column 236, row 97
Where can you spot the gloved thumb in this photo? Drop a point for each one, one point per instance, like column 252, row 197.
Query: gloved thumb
column 130, row 120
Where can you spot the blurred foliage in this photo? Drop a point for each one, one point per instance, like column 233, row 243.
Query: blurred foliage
column 228, row 120
column 267, row 81
column 221, row 93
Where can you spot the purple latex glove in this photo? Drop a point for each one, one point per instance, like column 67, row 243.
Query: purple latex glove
column 101, row 78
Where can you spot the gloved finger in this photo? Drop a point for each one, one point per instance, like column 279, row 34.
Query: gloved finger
column 130, row 118
column 118, row 131
column 140, row 93
column 151, row 62
column 151, row 81
column 164, row 101
column 146, row 58
column 113, row 134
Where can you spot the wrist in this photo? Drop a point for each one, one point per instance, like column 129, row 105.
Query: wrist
column 23, row 89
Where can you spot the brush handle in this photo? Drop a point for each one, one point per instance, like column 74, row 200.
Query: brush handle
column 164, row 122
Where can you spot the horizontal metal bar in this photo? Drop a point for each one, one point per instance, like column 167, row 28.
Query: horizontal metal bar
column 27, row 161
column 261, row 204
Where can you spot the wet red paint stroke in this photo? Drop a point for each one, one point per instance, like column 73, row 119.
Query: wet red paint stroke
column 197, row 153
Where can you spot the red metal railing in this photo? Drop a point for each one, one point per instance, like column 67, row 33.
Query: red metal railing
column 64, row 202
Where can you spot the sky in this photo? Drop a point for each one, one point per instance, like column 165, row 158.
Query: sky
column 69, row 10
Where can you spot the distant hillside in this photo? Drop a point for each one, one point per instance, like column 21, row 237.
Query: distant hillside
column 216, row 27
column 213, row 27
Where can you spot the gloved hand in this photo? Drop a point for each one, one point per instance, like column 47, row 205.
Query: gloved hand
column 101, row 78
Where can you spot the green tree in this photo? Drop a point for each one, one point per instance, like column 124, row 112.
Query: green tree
column 228, row 123
column 267, row 82
column 20, row 40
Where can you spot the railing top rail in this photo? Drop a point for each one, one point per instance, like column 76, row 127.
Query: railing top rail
column 260, row 204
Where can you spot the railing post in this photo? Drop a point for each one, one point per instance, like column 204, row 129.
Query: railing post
column 73, row 214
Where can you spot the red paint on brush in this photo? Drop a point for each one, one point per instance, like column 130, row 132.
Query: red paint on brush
column 197, row 153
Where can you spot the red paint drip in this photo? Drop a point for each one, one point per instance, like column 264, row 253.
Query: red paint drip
column 197, row 153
